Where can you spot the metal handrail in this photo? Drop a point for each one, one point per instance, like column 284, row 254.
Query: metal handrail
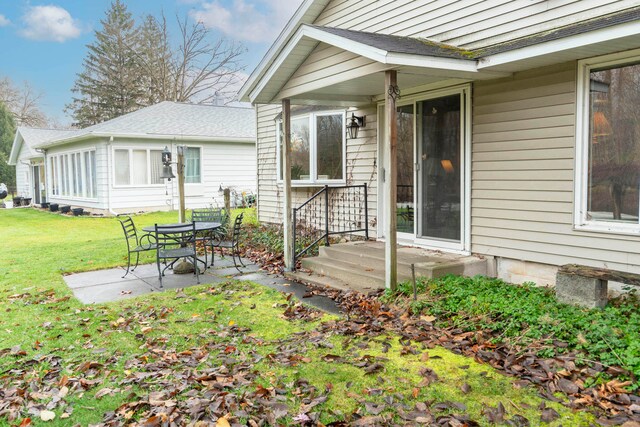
column 326, row 232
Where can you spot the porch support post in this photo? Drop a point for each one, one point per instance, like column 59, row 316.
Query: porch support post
column 391, row 145
column 286, row 177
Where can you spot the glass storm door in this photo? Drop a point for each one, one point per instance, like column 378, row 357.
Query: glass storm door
column 440, row 174
column 404, row 172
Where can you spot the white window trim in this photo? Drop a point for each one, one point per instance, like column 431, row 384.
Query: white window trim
column 581, row 223
column 313, row 151
column 130, row 149
column 201, row 147
column 58, row 158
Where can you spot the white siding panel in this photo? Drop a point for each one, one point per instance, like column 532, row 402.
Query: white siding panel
column 522, row 174
column 470, row 24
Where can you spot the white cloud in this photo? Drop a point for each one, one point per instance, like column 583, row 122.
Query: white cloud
column 49, row 23
column 4, row 21
column 251, row 20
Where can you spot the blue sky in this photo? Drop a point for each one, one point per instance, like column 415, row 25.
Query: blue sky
column 44, row 42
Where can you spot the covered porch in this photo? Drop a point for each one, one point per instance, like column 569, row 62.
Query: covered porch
column 411, row 100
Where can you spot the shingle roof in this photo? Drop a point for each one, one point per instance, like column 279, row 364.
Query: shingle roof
column 33, row 137
column 600, row 22
column 398, row 44
column 177, row 119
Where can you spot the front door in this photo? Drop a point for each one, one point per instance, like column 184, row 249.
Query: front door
column 432, row 176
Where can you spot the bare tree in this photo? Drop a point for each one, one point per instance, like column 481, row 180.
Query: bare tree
column 204, row 70
column 23, row 102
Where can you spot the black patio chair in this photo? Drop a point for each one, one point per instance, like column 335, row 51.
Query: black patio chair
column 135, row 243
column 233, row 244
column 175, row 242
column 210, row 237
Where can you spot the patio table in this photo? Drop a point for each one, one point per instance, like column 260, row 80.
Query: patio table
column 200, row 226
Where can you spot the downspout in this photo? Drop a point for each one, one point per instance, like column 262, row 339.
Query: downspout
column 109, row 168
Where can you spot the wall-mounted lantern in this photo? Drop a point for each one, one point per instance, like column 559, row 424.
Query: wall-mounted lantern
column 356, row 123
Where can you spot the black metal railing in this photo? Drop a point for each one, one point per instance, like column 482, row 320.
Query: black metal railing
column 330, row 211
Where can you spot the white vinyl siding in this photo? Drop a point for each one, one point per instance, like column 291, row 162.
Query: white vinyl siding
column 221, row 163
column 523, row 170
column 469, row 24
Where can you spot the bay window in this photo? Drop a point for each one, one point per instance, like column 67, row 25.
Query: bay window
column 609, row 145
column 317, row 148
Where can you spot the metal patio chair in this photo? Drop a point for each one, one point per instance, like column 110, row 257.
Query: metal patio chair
column 233, row 244
column 175, row 242
column 135, row 244
column 209, row 238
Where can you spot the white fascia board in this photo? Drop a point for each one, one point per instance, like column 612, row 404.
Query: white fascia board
column 270, row 56
column 435, row 62
column 364, row 50
column 176, row 138
column 566, row 43
column 390, row 58
column 15, row 148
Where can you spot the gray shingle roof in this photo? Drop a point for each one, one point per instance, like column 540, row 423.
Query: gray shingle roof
column 398, row 44
column 621, row 17
column 177, row 119
column 34, row 137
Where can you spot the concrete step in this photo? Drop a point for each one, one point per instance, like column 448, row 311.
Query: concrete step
column 332, row 282
column 371, row 255
column 351, row 274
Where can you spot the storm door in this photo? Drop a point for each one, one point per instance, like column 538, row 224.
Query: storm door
column 440, row 144
column 405, row 209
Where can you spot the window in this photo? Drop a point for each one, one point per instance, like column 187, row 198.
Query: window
column 317, row 148
column 137, row 167
column 192, row 165
column 74, row 174
column 609, row 141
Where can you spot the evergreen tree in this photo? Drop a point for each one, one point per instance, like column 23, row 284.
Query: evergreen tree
column 110, row 83
column 7, row 133
column 155, row 58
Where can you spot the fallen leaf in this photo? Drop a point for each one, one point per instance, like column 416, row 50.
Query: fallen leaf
column 47, row 415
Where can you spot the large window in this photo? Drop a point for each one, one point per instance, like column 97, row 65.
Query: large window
column 609, row 135
column 137, row 167
column 317, row 148
column 74, row 174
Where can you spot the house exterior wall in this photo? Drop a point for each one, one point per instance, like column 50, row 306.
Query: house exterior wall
column 23, row 173
column 523, row 176
column 228, row 164
column 469, row 24
column 361, row 166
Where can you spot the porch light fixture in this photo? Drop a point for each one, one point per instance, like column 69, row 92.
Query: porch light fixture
column 356, row 123
column 167, row 173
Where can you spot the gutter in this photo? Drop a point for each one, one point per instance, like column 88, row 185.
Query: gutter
column 163, row 137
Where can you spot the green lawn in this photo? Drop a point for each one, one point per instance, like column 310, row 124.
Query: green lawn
column 223, row 350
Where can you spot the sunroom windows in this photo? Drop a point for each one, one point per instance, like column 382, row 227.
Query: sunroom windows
column 74, row 174
column 609, row 138
column 317, row 148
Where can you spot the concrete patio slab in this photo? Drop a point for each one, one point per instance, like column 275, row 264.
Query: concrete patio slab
column 96, row 287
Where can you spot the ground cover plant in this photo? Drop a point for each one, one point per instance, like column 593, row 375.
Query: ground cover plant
column 594, row 355
column 231, row 354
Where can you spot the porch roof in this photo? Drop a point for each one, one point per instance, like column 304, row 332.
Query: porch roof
column 421, row 62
